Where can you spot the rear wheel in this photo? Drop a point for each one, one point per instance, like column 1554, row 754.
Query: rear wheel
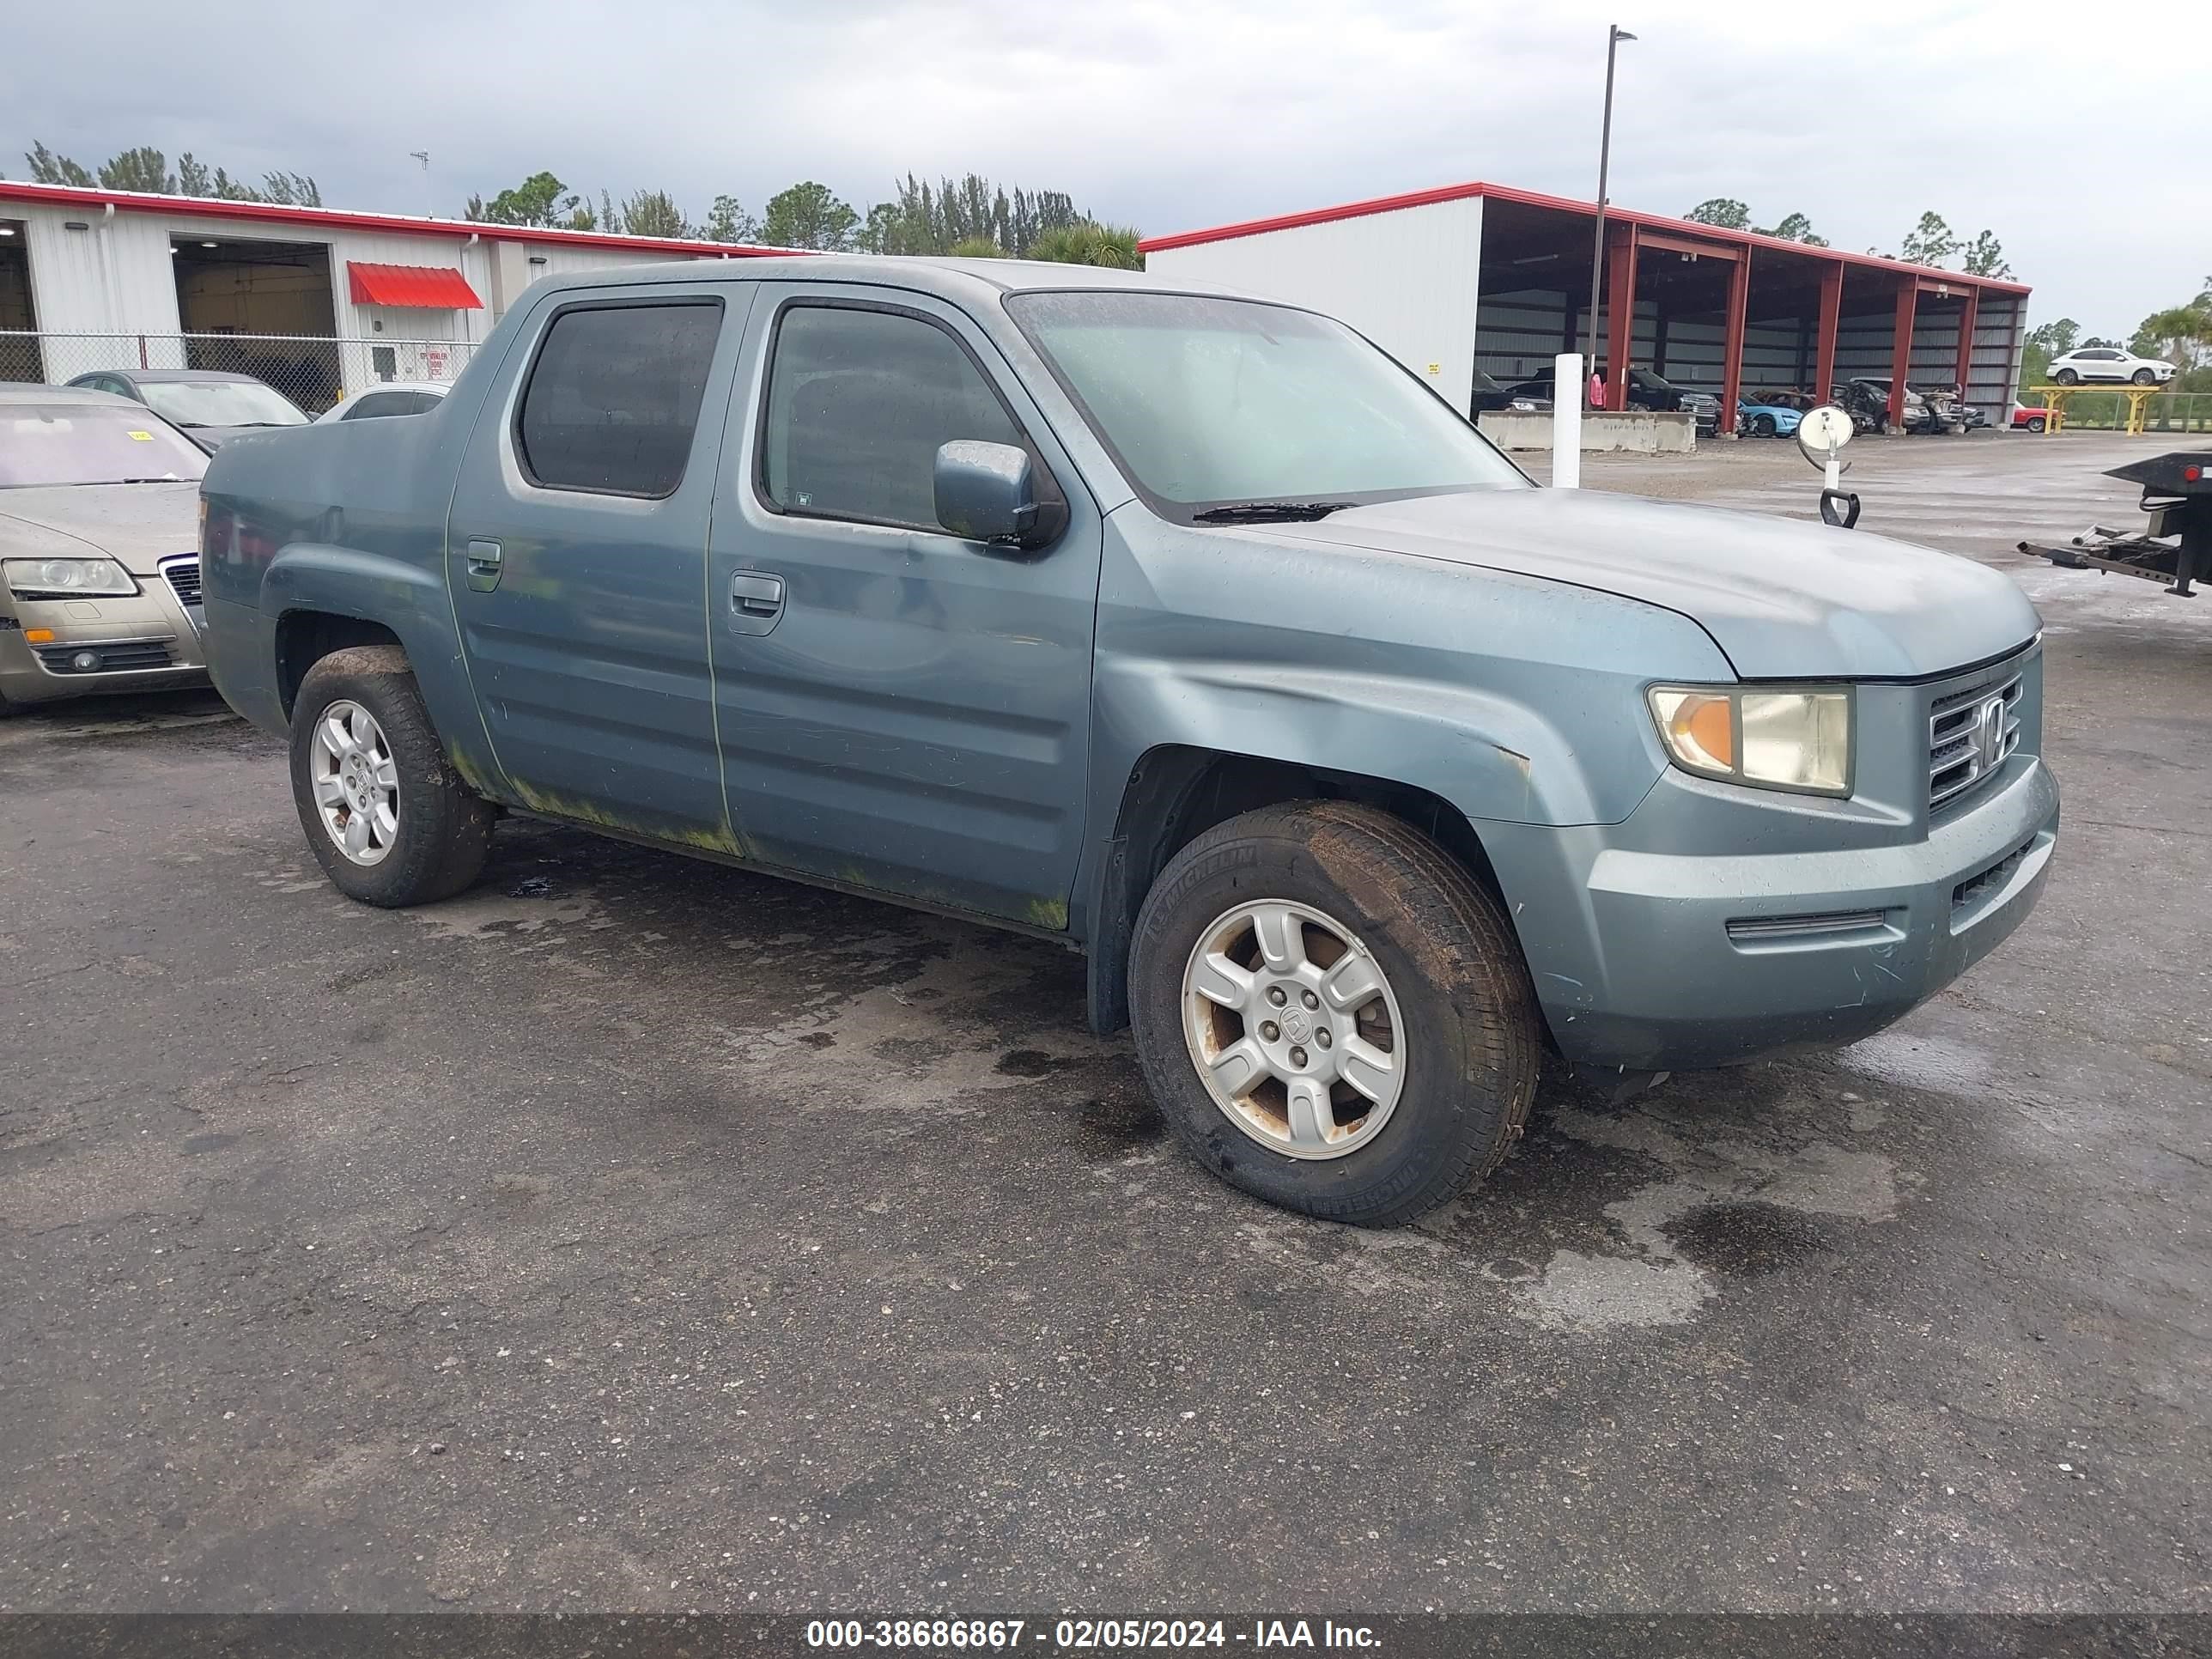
column 385, row 814
column 1762, row 426
column 2066, row 377
column 1332, row 1015
column 2036, row 423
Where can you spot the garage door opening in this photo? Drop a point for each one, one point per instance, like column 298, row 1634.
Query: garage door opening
column 262, row 309
column 19, row 353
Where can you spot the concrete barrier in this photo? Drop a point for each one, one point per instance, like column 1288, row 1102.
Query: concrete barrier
column 1634, row 431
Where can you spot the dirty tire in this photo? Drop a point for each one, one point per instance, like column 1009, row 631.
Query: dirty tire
column 445, row 827
column 1472, row 1031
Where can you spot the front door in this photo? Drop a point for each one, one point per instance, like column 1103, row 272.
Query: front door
column 901, row 710
column 576, row 554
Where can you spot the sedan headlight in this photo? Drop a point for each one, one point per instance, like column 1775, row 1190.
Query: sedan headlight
column 1798, row 739
column 72, row 579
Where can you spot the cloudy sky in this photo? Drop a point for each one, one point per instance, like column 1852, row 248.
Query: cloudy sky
column 1171, row 114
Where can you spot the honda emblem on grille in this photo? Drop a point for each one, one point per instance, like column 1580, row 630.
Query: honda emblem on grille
column 1989, row 740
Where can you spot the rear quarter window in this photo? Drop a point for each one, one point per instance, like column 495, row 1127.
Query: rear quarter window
column 612, row 401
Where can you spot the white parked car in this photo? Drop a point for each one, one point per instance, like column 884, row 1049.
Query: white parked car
column 388, row 397
column 2109, row 363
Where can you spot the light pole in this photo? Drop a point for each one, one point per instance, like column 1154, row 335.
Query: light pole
column 1613, row 36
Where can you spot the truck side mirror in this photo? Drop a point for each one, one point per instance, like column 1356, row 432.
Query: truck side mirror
column 987, row 492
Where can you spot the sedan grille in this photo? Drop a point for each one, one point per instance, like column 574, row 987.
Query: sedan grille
column 104, row 656
column 183, row 576
column 1971, row 734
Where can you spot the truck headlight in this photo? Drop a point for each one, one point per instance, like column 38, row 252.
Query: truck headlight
column 70, row 579
column 1769, row 739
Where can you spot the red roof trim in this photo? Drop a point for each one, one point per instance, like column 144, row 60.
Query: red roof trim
column 1567, row 204
column 132, row 201
column 430, row 288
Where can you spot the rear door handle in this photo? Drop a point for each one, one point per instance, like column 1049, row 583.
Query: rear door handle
column 484, row 565
column 756, row 601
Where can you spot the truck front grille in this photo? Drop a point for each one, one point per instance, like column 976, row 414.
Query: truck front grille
column 1971, row 734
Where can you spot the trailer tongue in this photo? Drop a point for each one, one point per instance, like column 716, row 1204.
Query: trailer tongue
column 2176, row 549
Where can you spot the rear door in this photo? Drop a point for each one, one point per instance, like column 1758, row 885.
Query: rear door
column 576, row 556
column 901, row 710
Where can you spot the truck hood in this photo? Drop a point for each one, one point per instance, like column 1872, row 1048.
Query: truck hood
column 135, row 525
column 1784, row 599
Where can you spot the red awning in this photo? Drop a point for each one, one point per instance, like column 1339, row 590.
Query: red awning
column 431, row 288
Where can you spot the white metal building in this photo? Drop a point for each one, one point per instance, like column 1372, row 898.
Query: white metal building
column 318, row 301
column 1482, row 277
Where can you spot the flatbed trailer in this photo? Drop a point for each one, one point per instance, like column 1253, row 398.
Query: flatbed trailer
column 2176, row 548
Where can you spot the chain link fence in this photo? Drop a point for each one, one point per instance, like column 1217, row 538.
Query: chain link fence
column 315, row 371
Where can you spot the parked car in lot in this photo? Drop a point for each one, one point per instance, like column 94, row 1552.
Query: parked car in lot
column 1489, row 395
column 1186, row 629
column 1874, row 391
column 2109, row 363
column 1767, row 420
column 375, row 402
column 1646, row 391
column 2030, row 418
column 99, row 567
column 210, row 406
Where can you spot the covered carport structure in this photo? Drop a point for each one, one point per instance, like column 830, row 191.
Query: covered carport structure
column 1484, row 277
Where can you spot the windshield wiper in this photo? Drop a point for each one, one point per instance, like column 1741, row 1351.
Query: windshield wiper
column 1269, row 512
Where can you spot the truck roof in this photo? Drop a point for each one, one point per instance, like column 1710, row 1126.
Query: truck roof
column 950, row 278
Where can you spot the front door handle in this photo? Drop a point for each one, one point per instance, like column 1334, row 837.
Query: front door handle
column 756, row 601
column 484, row 565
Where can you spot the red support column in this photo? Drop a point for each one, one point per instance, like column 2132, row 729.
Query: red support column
column 1739, row 306
column 1620, row 313
column 1900, row 358
column 1832, row 318
column 1967, row 318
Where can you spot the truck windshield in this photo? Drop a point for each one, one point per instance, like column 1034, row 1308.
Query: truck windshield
column 1211, row 403
column 90, row 443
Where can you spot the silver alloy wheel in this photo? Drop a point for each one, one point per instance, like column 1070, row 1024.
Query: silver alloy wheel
column 355, row 782
column 1294, row 1029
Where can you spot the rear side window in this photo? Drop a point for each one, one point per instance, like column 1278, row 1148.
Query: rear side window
column 858, row 403
column 613, row 398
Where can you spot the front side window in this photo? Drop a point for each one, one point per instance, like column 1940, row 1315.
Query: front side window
column 1213, row 403
column 91, row 443
column 612, row 402
column 859, row 400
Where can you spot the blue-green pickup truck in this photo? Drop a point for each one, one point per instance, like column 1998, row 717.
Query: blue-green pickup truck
column 1185, row 628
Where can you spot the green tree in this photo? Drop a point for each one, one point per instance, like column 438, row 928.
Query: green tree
column 977, row 247
column 540, row 199
column 48, row 168
column 654, row 213
column 1797, row 227
column 1087, row 242
column 1985, row 256
column 144, row 169
column 192, row 177
column 1928, row 243
column 808, row 215
column 2180, row 334
column 2044, row 341
column 728, row 221
column 1724, row 211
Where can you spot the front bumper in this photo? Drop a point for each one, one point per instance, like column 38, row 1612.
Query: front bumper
column 1658, row 960
column 145, row 642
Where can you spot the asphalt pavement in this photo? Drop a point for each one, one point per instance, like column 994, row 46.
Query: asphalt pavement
column 636, row 1233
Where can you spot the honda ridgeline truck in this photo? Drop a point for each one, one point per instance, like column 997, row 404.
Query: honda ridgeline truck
column 1187, row 629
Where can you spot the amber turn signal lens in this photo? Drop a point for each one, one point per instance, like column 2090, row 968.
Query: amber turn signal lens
column 1699, row 727
column 38, row 636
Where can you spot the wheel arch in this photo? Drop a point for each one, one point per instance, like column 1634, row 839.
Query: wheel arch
column 1176, row 792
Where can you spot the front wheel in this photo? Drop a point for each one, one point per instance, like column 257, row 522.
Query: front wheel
column 1332, row 1015
column 385, row 814
column 2037, row 424
column 1762, row 426
column 2143, row 377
